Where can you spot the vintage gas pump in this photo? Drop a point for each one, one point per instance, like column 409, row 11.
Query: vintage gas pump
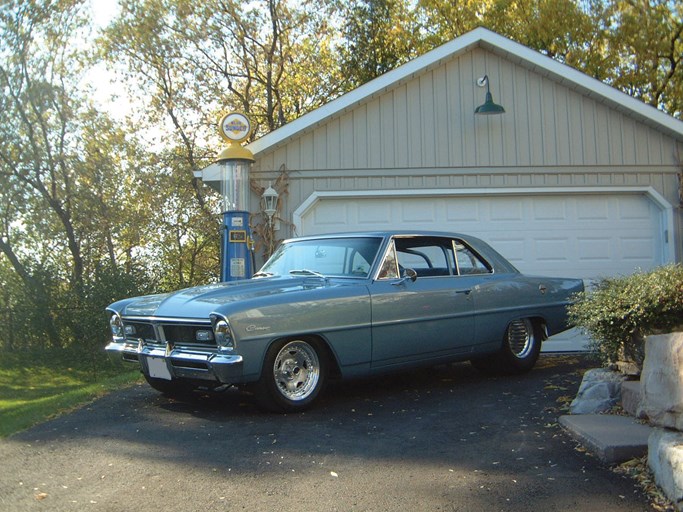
column 234, row 163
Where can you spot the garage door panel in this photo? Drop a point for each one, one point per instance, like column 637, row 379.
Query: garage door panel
column 549, row 210
column 370, row 213
column 418, row 212
column 555, row 250
column 513, row 249
column 332, row 215
column 462, row 211
column 592, row 208
column 506, row 210
column 632, row 209
column 585, row 236
column 637, row 249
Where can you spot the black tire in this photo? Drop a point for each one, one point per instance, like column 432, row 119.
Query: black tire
column 293, row 376
column 171, row 388
column 519, row 351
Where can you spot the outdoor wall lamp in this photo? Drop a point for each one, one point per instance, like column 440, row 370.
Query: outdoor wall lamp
column 269, row 202
column 489, row 107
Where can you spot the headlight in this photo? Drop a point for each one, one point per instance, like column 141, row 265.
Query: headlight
column 116, row 325
column 203, row 335
column 222, row 333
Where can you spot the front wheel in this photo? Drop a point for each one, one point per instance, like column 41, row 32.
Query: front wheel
column 519, row 351
column 294, row 373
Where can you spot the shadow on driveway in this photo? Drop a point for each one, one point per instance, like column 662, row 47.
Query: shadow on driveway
column 445, row 438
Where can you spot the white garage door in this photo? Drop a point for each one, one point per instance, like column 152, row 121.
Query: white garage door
column 578, row 235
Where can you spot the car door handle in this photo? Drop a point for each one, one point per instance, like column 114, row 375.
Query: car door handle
column 466, row 292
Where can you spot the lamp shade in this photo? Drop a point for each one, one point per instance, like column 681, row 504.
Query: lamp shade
column 489, row 107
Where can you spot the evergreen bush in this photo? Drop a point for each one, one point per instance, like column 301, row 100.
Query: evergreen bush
column 620, row 311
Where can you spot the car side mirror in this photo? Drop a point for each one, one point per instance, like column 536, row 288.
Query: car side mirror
column 410, row 274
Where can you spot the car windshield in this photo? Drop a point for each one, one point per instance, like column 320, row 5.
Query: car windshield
column 327, row 257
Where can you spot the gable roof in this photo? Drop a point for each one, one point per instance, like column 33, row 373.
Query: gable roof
column 495, row 43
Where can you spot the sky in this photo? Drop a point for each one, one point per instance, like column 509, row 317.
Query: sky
column 102, row 77
column 103, row 11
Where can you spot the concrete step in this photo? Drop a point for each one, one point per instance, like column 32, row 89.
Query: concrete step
column 613, row 439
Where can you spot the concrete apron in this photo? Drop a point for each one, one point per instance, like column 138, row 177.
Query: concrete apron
column 568, row 341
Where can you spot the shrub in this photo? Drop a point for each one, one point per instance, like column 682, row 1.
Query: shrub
column 620, row 311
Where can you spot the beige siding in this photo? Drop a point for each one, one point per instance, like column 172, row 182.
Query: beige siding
column 429, row 122
column 423, row 134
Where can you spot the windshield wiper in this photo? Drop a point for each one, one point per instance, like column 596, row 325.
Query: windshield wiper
column 263, row 274
column 306, row 272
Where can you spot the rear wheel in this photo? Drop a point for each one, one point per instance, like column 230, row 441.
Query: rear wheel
column 519, row 351
column 294, row 373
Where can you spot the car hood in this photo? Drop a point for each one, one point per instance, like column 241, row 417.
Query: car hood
column 199, row 302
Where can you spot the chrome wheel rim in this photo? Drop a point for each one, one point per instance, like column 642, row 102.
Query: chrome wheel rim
column 520, row 338
column 296, row 370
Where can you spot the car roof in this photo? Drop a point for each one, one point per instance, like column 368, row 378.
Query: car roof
column 494, row 257
column 386, row 234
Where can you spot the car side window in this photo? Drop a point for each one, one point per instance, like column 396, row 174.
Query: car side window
column 428, row 256
column 359, row 265
column 468, row 261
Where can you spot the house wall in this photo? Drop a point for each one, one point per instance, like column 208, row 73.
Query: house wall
column 423, row 134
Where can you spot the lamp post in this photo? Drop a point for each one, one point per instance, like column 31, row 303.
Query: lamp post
column 234, row 163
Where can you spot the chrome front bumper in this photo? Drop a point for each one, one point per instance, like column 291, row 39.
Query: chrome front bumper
column 167, row 362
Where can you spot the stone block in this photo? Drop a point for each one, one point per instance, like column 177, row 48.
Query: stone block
column 661, row 380
column 665, row 458
column 630, row 397
column 600, row 390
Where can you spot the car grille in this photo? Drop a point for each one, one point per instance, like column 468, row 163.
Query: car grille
column 144, row 331
column 177, row 333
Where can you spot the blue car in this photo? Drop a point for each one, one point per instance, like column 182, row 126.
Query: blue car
column 342, row 306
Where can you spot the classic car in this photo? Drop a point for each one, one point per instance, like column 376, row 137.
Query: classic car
column 343, row 306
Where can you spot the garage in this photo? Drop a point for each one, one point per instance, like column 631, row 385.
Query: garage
column 579, row 234
column 573, row 179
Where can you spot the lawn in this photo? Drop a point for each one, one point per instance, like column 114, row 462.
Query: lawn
column 38, row 385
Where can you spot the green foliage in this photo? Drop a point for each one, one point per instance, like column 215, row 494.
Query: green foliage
column 379, row 35
column 620, row 311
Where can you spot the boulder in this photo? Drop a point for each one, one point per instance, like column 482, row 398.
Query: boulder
column 661, row 381
column 665, row 459
column 600, row 390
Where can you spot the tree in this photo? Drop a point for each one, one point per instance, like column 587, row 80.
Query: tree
column 379, row 35
column 633, row 45
column 645, row 41
column 38, row 69
column 62, row 209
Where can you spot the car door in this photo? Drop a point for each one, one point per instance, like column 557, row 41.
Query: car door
column 426, row 318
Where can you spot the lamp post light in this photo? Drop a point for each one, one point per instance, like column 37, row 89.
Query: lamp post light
column 269, row 200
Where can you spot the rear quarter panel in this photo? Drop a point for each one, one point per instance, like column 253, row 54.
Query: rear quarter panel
column 502, row 298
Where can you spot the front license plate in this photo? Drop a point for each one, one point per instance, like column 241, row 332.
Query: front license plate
column 157, row 368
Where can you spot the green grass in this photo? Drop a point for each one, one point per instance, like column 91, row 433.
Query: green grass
column 38, row 385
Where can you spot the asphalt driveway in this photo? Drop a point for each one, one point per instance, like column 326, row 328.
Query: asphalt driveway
column 442, row 439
